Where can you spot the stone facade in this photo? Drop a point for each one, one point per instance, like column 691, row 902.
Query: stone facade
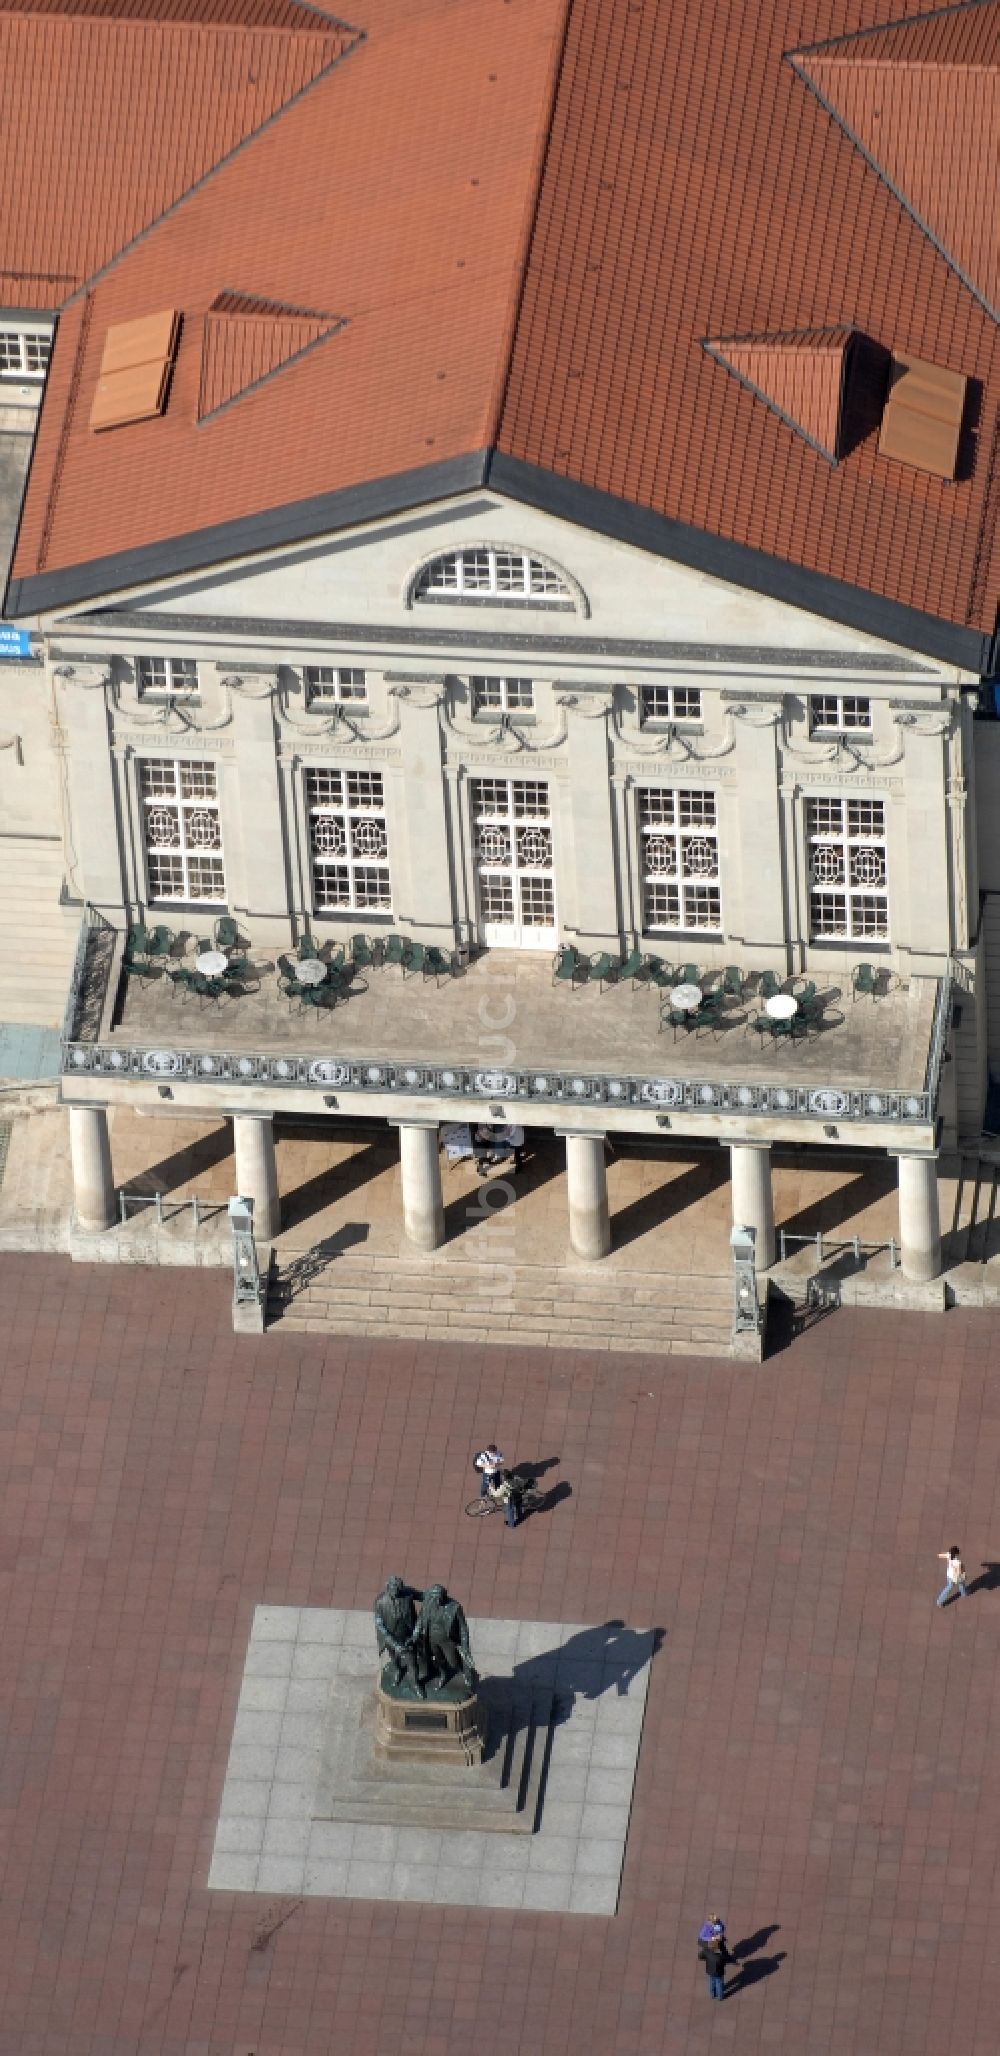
column 631, row 754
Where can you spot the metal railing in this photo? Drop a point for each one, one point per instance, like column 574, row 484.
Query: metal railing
column 165, row 1210
column 826, row 1246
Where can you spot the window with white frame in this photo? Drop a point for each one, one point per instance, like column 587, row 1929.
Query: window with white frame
column 348, row 840
column 836, row 713
column 502, row 695
column 24, row 353
column 669, row 703
column 488, row 574
column 182, row 831
column 326, row 682
column 848, row 874
column 174, row 678
column 679, row 838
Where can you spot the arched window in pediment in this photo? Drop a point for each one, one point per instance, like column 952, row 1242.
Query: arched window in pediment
column 498, row 575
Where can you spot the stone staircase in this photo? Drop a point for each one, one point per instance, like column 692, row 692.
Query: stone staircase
column 37, row 936
column 438, row 1299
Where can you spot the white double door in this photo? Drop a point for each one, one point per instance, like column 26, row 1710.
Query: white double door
column 515, row 863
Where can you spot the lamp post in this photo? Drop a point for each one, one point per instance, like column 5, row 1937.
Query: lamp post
column 248, row 1297
column 746, row 1310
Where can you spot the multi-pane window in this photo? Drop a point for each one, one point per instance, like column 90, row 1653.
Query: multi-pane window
column 670, row 703
column 181, row 830
column 836, row 712
column 24, row 354
column 348, row 840
column 515, row 859
column 848, row 879
column 175, row 677
column 501, row 695
column 493, row 574
column 327, row 682
column 679, row 836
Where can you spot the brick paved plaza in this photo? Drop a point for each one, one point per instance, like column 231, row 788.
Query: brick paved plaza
column 819, row 1755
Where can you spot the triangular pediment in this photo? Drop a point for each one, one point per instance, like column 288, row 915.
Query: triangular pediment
column 799, row 374
column 921, row 99
column 247, row 340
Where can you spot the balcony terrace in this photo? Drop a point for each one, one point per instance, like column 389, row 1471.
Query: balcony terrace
column 501, row 1030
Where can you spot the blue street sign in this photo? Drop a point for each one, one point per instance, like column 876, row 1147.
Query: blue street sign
column 14, row 642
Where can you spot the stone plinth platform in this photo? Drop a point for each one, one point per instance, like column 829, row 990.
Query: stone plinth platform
column 496, row 1790
column 442, row 1728
column 286, row 1826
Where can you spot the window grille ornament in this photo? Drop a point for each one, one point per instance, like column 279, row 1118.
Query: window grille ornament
column 868, row 868
column 828, row 865
column 370, row 839
column 534, row 848
column 328, row 836
column 163, row 828
column 660, row 854
column 203, row 829
column 494, row 846
column 700, row 857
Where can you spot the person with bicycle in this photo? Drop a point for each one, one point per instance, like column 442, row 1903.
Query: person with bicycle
column 495, row 1483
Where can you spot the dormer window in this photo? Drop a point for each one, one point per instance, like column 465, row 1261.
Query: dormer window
column 167, row 678
column 505, row 577
column 333, row 685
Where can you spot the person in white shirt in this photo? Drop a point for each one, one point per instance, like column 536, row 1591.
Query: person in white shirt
column 954, row 1576
column 489, row 1463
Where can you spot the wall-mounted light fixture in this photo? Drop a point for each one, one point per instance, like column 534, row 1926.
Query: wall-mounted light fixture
column 330, row 1099
column 663, row 1120
column 165, row 1091
column 497, row 1113
column 830, row 1132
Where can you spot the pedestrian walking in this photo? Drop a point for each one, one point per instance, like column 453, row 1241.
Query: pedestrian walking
column 714, row 1954
column 954, row 1577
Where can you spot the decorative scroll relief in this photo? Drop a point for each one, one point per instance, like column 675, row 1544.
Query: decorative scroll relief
column 337, row 721
column 250, row 685
column 90, row 676
column 504, row 734
column 672, row 744
column 591, row 706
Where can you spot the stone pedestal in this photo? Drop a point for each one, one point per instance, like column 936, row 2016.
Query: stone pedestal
column 437, row 1729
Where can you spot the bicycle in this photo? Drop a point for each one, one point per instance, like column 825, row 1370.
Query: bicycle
column 495, row 1502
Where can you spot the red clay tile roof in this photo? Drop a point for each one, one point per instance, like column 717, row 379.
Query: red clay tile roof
column 108, row 121
column 922, row 100
column 800, row 375
column 530, row 213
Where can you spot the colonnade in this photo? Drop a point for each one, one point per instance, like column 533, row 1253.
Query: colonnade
column 590, row 1228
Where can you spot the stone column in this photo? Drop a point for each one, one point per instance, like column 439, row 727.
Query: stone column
column 93, row 1184
column 919, row 1219
column 420, row 1168
column 753, row 1201
column 257, row 1172
column 587, row 1193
